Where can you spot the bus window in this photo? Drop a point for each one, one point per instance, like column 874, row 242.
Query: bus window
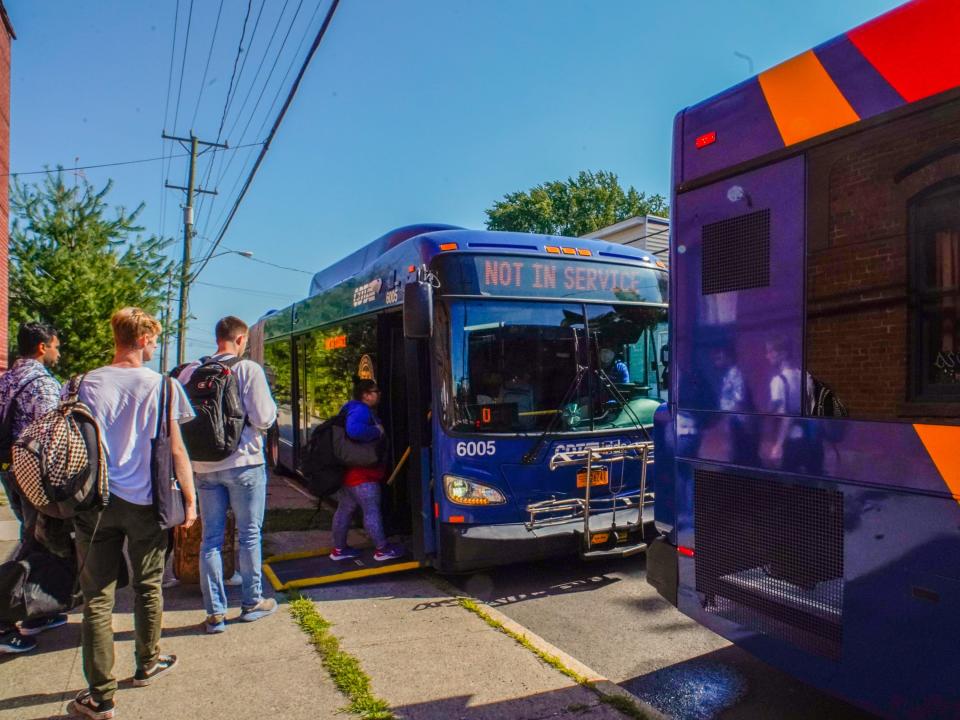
column 625, row 339
column 332, row 359
column 513, row 364
column 277, row 366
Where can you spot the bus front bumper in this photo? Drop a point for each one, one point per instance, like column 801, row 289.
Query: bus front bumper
column 470, row 547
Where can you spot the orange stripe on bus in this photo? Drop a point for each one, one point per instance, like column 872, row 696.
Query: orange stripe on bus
column 943, row 445
column 804, row 100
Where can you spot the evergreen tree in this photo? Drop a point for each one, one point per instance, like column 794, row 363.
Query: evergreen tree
column 74, row 261
column 573, row 207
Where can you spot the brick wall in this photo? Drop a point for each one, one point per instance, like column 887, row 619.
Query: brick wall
column 5, row 42
column 858, row 256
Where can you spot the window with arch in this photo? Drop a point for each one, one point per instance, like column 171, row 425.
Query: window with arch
column 934, row 216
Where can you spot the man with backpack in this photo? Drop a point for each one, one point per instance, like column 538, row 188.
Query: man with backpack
column 124, row 397
column 27, row 391
column 234, row 408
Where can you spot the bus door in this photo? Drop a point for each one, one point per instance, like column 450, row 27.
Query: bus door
column 391, row 376
column 302, row 408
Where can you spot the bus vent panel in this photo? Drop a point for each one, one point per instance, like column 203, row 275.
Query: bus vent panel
column 770, row 557
column 736, row 253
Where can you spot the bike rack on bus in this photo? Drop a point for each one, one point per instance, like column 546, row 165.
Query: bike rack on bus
column 562, row 511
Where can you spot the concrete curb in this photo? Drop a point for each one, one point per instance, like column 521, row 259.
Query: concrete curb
column 601, row 685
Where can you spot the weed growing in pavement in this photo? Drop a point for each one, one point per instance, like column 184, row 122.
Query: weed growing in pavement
column 624, row 704
column 549, row 659
column 344, row 669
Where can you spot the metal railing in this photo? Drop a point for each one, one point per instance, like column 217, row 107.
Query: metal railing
column 555, row 512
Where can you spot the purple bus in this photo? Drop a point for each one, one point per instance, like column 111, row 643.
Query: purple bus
column 808, row 462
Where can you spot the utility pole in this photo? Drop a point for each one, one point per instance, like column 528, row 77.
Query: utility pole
column 188, row 233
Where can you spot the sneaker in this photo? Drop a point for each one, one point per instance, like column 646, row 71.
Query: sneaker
column 37, row 626
column 214, row 624
column 85, row 705
column 347, row 553
column 12, row 641
column 163, row 665
column 169, row 581
column 389, row 552
column 234, row 580
column 267, row 606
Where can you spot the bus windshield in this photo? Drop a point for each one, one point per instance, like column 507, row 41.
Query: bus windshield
column 519, row 367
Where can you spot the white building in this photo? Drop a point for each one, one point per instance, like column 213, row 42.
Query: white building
column 646, row 232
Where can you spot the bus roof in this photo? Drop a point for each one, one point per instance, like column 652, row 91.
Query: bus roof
column 418, row 244
column 898, row 58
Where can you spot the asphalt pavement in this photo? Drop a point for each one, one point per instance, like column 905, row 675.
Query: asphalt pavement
column 608, row 617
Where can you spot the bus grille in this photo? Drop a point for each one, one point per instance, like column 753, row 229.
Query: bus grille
column 736, row 253
column 769, row 557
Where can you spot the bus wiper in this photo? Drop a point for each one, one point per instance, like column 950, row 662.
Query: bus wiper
column 530, row 456
column 621, row 401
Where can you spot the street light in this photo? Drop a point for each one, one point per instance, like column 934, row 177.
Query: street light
column 243, row 253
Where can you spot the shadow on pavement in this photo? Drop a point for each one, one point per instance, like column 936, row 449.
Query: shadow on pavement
column 724, row 684
column 573, row 702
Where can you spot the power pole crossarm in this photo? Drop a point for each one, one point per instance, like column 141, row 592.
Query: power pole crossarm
column 190, row 190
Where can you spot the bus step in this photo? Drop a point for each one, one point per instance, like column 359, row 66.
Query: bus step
column 314, row 567
column 621, row 551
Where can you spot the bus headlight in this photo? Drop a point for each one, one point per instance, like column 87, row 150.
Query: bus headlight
column 461, row 491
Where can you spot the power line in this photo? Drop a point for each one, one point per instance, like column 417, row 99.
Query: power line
column 203, row 82
column 273, row 131
column 256, row 105
column 166, row 114
column 648, row 235
column 260, row 66
column 123, row 162
column 267, row 262
column 247, row 291
column 183, row 66
column 226, row 102
column 276, row 96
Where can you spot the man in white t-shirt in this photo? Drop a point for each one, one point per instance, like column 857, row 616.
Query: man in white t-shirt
column 238, row 482
column 125, row 398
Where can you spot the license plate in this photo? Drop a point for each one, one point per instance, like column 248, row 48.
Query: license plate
column 598, row 476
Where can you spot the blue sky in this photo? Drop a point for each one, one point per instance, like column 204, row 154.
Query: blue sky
column 415, row 111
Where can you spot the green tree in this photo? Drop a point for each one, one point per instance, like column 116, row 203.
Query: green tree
column 74, row 261
column 574, row 207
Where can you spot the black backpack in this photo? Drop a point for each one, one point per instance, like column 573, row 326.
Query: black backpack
column 321, row 467
column 214, row 433
column 7, row 415
column 825, row 401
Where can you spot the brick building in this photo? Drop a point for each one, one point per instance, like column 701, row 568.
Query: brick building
column 6, row 38
column 883, row 267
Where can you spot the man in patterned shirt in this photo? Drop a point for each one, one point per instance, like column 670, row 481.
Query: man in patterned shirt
column 36, row 392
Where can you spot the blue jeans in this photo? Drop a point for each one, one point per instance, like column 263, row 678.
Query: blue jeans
column 366, row 497
column 244, row 489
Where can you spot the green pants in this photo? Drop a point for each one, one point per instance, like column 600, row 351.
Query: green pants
column 146, row 544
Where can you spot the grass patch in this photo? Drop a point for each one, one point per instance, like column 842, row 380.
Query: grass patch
column 297, row 519
column 622, row 703
column 344, row 669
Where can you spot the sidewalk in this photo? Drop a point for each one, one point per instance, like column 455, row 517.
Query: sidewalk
column 428, row 657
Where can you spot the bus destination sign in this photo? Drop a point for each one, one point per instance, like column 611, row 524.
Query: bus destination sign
column 536, row 277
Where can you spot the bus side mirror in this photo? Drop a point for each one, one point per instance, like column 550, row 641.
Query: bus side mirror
column 418, row 310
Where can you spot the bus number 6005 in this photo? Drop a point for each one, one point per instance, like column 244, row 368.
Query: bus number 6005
column 471, row 449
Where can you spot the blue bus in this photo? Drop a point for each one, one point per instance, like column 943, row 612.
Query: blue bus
column 808, row 475
column 494, row 351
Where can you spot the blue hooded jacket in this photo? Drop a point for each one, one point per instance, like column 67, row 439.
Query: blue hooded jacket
column 361, row 423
